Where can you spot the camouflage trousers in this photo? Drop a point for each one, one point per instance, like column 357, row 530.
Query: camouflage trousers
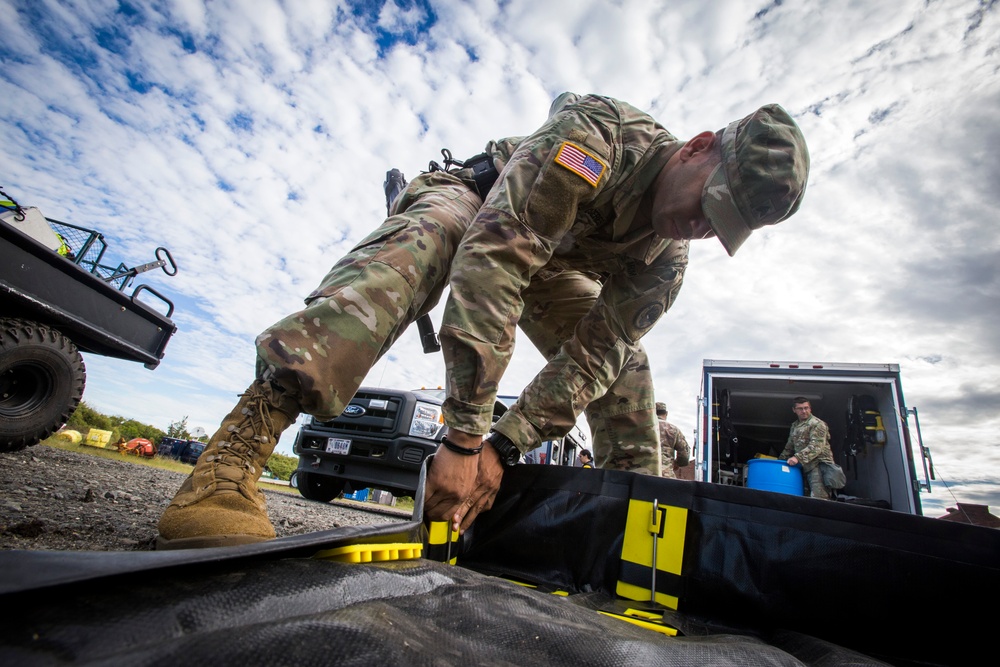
column 321, row 354
column 814, row 480
column 623, row 422
column 667, row 462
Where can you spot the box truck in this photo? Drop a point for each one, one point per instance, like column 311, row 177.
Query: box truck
column 745, row 413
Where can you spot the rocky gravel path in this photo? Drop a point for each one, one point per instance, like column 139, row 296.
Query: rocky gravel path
column 60, row 500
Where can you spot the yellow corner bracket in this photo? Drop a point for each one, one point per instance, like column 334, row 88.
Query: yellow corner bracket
column 372, row 553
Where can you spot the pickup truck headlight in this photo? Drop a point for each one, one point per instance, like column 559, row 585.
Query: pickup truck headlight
column 427, row 421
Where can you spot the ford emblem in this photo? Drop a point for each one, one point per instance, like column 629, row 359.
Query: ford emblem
column 354, row 411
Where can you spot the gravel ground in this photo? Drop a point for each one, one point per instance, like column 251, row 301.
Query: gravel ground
column 60, row 500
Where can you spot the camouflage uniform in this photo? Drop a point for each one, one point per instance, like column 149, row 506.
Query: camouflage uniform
column 321, row 354
column 809, row 442
column 566, row 199
column 552, row 248
column 674, row 448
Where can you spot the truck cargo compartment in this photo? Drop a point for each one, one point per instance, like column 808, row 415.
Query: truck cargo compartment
column 746, row 412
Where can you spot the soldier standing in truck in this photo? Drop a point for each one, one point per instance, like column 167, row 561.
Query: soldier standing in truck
column 809, row 446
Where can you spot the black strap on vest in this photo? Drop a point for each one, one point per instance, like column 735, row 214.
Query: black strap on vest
column 484, row 174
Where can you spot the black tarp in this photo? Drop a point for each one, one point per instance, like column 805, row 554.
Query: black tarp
column 906, row 589
column 745, row 577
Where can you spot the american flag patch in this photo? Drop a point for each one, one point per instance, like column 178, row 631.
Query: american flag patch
column 583, row 164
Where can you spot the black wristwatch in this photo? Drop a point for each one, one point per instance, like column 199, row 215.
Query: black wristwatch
column 508, row 451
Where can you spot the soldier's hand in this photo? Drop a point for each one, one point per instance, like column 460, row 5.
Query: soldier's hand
column 488, row 478
column 793, row 461
column 451, row 479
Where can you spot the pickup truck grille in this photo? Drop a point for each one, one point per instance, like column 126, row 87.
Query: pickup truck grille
column 381, row 416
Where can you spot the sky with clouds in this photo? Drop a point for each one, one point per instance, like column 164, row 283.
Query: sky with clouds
column 252, row 137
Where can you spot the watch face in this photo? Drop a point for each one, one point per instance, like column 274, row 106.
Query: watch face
column 512, row 456
column 506, row 450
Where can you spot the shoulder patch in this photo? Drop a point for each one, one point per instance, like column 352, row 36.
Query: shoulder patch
column 581, row 163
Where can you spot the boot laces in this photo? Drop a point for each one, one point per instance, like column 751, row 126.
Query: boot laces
column 245, row 438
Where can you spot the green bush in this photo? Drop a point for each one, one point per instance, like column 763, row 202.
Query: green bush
column 86, row 418
column 130, row 428
column 282, row 466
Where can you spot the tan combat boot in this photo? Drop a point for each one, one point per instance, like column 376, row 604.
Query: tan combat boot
column 219, row 503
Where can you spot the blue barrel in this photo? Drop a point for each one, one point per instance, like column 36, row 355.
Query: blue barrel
column 774, row 475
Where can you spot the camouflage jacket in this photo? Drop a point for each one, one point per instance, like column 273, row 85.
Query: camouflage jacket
column 809, row 442
column 674, row 448
column 567, row 197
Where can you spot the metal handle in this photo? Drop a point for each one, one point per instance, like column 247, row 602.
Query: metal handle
column 168, row 260
column 147, row 288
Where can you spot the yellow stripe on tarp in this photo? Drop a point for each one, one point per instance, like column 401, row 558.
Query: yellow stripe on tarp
column 637, row 547
column 525, row 584
column 373, row 553
column 642, row 623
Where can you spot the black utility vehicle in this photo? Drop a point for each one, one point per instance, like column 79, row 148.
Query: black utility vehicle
column 380, row 441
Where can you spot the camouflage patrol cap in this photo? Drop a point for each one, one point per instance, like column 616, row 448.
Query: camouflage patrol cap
column 762, row 176
column 661, row 408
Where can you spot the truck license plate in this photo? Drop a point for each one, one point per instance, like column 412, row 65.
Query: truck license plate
column 337, row 446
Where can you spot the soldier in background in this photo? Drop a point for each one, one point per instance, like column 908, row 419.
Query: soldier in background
column 809, row 445
column 582, row 242
column 674, row 450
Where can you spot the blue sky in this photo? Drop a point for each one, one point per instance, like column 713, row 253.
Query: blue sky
column 252, row 139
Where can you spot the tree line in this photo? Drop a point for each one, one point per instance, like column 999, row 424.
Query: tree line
column 85, row 418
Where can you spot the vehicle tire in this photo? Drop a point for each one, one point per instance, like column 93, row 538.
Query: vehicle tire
column 320, row 488
column 42, row 377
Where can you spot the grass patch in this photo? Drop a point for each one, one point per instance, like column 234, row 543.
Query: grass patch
column 405, row 503
column 281, row 488
column 105, row 453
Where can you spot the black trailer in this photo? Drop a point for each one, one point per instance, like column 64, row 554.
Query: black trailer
column 57, row 299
